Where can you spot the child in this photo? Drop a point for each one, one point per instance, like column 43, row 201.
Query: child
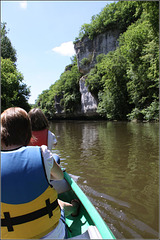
column 26, row 194
column 40, row 131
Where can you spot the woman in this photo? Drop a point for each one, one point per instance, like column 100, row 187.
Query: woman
column 29, row 208
column 40, row 131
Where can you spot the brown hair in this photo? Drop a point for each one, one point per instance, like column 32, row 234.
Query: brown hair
column 38, row 120
column 15, row 127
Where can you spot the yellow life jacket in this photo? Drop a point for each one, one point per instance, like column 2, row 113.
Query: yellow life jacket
column 29, row 208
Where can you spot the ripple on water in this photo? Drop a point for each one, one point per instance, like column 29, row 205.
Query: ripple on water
column 117, row 214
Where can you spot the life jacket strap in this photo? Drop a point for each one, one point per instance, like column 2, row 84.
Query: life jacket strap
column 9, row 222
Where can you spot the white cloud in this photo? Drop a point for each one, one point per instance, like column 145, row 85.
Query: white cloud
column 65, row 49
column 23, row 4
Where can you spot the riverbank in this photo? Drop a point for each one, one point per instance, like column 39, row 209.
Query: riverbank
column 93, row 117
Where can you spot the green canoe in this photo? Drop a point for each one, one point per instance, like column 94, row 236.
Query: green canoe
column 88, row 224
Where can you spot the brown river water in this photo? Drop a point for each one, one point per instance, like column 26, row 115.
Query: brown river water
column 116, row 164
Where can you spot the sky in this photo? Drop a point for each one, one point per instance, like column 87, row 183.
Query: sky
column 42, row 33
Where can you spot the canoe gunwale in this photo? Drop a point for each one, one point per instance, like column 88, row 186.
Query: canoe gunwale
column 102, row 227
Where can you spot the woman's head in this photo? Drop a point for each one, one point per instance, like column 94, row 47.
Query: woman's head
column 15, row 127
column 38, row 120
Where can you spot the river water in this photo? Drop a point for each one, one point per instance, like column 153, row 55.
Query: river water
column 116, row 164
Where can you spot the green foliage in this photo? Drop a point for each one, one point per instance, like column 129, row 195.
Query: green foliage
column 152, row 111
column 13, row 91
column 71, row 94
column 149, row 114
column 152, row 15
column 85, row 62
column 106, row 106
column 113, row 99
column 45, row 102
column 115, row 15
column 93, row 81
column 7, row 50
column 125, row 81
column 141, row 50
column 66, row 89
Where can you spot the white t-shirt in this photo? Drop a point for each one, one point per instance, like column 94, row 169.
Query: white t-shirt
column 51, row 140
column 59, row 231
column 48, row 160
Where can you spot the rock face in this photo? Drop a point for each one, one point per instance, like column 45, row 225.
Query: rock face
column 88, row 102
column 58, row 107
column 87, row 50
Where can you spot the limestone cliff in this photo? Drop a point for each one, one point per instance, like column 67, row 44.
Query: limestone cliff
column 87, row 50
column 88, row 101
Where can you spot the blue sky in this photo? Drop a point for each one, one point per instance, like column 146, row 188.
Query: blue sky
column 42, row 32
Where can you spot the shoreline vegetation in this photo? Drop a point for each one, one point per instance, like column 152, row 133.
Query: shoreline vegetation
column 125, row 82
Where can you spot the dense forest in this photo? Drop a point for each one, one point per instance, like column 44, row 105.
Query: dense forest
column 125, row 81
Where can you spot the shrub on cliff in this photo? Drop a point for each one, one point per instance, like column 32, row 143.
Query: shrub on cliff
column 115, row 15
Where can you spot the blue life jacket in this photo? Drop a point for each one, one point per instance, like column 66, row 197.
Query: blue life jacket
column 29, row 206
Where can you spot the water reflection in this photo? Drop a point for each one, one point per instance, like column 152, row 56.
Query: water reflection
column 117, row 165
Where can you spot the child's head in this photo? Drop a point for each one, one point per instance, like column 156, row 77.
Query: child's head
column 38, row 120
column 15, row 127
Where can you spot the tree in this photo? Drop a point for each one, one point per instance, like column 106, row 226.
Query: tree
column 141, row 49
column 13, row 91
column 152, row 15
column 64, row 92
column 113, row 95
column 69, row 89
column 46, row 103
column 7, row 50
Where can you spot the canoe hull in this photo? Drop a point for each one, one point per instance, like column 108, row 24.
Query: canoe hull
column 88, row 222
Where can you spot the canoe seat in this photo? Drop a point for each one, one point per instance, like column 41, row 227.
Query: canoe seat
column 91, row 233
